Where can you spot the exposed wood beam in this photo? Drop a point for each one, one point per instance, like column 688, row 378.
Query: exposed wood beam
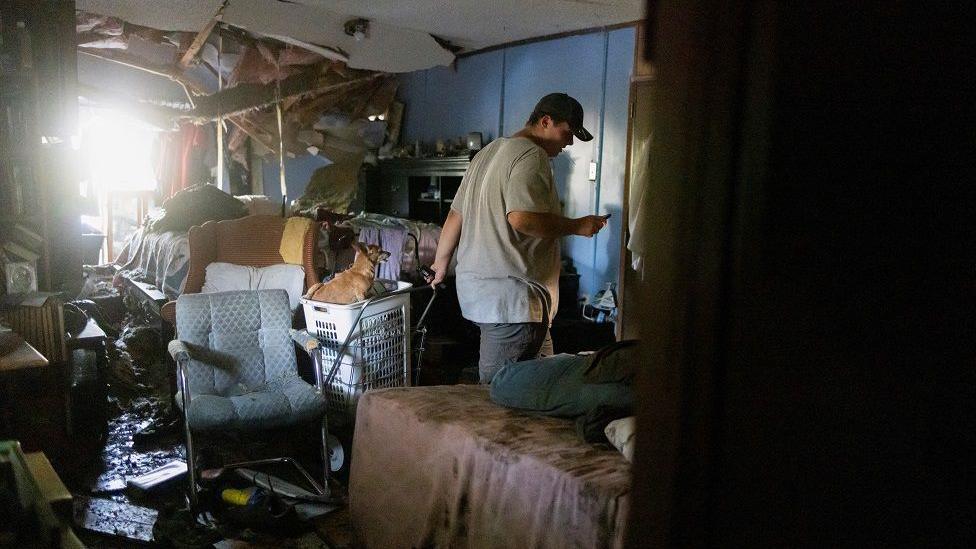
column 131, row 62
column 245, row 97
column 123, row 59
column 254, row 132
column 117, row 56
column 201, row 38
column 237, row 35
column 159, row 116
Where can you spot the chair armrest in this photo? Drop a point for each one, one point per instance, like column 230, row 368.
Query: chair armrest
column 307, row 341
column 179, row 351
column 168, row 312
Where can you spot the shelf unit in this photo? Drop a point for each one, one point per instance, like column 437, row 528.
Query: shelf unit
column 38, row 115
column 420, row 189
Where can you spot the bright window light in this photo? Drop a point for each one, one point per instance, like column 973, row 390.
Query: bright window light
column 119, row 150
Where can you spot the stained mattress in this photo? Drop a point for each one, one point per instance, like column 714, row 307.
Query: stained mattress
column 445, row 467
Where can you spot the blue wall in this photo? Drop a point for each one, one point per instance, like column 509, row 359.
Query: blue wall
column 298, row 173
column 442, row 103
column 494, row 93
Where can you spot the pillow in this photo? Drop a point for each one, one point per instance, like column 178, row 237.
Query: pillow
column 225, row 277
column 620, row 433
column 554, row 386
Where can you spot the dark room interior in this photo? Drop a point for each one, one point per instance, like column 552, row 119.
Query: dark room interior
column 486, row 274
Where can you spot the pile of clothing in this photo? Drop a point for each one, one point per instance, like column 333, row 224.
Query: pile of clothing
column 194, row 206
column 410, row 243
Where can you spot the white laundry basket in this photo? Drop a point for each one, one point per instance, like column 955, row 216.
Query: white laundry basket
column 377, row 353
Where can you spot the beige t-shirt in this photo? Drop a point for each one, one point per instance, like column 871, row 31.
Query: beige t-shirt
column 510, row 174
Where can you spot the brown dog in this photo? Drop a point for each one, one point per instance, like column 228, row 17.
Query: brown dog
column 354, row 283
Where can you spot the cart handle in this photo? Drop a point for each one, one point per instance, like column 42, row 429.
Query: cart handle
column 352, row 328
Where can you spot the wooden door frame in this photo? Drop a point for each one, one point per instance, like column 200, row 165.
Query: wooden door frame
column 705, row 101
column 642, row 72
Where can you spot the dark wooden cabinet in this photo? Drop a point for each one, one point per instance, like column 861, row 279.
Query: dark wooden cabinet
column 420, row 189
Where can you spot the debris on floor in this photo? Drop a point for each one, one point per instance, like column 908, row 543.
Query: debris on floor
column 121, row 459
column 112, row 518
column 336, row 529
column 307, row 541
column 159, row 475
column 178, row 527
column 117, row 499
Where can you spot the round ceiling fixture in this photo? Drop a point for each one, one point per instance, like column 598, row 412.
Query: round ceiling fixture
column 357, row 28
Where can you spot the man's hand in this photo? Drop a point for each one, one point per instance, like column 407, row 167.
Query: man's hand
column 450, row 236
column 590, row 225
column 440, row 271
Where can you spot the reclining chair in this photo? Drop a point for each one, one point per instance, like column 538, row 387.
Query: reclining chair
column 236, row 370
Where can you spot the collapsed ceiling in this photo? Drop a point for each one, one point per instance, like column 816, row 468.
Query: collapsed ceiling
column 234, row 76
column 400, row 36
column 237, row 59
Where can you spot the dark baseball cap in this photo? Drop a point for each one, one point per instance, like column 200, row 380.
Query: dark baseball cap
column 563, row 108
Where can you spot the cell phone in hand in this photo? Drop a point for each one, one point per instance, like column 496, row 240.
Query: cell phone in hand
column 427, row 272
column 607, row 216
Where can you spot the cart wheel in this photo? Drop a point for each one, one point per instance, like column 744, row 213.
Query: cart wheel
column 336, row 454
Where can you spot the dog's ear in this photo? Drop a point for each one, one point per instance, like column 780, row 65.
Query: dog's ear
column 360, row 247
column 383, row 256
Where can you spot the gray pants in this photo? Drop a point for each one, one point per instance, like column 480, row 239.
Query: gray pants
column 503, row 344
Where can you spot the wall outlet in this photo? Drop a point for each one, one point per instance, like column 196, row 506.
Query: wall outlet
column 592, row 170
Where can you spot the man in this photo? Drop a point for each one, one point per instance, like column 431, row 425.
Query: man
column 505, row 223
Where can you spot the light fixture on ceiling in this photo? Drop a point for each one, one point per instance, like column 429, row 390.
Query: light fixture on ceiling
column 357, row 28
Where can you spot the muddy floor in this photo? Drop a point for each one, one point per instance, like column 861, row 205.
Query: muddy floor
column 138, row 431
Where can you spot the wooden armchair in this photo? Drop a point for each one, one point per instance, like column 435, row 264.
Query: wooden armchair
column 253, row 241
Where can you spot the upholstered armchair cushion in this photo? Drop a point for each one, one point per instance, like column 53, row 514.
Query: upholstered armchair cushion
column 254, row 241
column 242, row 371
column 285, row 402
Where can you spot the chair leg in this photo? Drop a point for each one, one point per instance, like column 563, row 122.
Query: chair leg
column 191, row 469
column 325, row 453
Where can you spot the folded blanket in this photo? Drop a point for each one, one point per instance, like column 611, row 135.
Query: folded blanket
column 293, row 239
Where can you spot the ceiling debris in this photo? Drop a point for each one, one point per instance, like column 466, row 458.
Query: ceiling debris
column 404, row 27
column 257, row 72
column 237, row 59
column 384, row 46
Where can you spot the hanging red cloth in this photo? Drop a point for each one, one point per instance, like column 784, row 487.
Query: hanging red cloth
column 181, row 159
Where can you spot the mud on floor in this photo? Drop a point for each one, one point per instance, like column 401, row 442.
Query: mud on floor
column 142, row 433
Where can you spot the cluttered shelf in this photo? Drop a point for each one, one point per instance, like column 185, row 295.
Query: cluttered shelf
column 417, row 188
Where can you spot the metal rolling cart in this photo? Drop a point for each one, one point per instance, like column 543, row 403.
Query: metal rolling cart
column 367, row 345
